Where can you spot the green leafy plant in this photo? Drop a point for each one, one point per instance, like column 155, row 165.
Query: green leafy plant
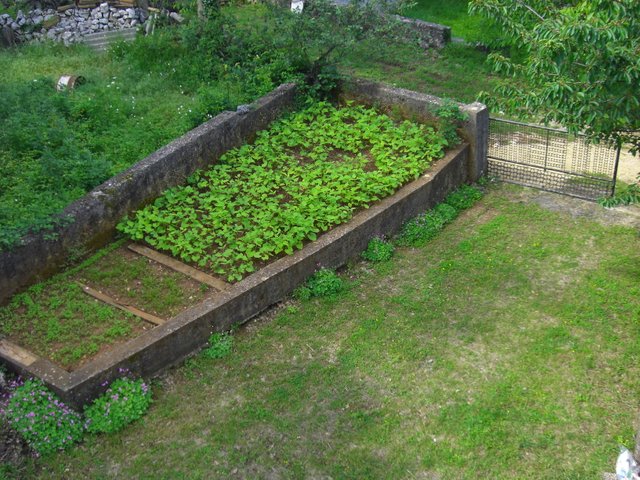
column 323, row 283
column 450, row 118
column 45, row 422
column 626, row 195
column 125, row 401
column 220, row 345
column 378, row 250
column 307, row 173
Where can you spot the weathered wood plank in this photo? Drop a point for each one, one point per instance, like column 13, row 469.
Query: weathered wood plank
column 16, row 352
column 122, row 306
column 178, row 266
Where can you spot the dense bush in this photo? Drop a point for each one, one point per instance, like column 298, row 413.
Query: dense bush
column 44, row 422
column 125, row 401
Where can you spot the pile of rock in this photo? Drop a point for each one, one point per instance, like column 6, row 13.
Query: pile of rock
column 71, row 25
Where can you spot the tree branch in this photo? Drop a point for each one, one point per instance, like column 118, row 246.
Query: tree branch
column 531, row 10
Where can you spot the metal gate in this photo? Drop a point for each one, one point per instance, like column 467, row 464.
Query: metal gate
column 551, row 159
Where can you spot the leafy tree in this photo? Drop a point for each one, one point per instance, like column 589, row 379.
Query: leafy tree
column 577, row 64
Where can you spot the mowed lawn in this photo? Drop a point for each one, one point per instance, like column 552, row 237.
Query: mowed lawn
column 507, row 347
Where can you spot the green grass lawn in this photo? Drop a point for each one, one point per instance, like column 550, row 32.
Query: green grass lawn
column 507, row 347
column 454, row 13
column 456, row 71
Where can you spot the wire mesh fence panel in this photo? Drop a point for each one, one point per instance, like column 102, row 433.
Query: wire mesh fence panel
column 551, row 159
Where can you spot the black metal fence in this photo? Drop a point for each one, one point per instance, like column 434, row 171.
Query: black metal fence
column 551, row 159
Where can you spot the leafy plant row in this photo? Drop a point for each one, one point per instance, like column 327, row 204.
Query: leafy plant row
column 308, row 173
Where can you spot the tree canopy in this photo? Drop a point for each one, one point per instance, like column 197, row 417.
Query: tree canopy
column 576, row 63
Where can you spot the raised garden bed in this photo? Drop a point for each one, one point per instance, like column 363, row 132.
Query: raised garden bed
column 345, row 171
column 306, row 174
column 309, row 172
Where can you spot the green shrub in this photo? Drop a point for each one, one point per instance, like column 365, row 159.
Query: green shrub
column 323, row 283
column 42, row 419
column 378, row 250
column 220, row 345
column 420, row 229
column 125, row 401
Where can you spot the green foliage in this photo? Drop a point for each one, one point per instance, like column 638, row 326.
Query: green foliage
column 627, row 195
column 464, row 197
column 323, row 283
column 578, row 64
column 450, row 118
column 419, row 230
column 42, row 420
column 378, row 250
column 125, row 401
column 44, row 163
column 306, row 174
column 59, row 321
column 454, row 13
column 220, row 345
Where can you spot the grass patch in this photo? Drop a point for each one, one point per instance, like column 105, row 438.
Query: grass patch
column 136, row 280
column 454, row 13
column 503, row 341
column 456, row 71
column 57, row 320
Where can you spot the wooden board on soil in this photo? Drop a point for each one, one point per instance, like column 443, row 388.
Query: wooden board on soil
column 58, row 320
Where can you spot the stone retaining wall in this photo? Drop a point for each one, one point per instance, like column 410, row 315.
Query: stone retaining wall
column 71, row 25
column 430, row 35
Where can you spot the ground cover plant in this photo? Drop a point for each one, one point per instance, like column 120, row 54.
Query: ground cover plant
column 503, row 341
column 304, row 175
column 125, row 401
column 324, row 283
column 42, row 419
column 220, row 345
column 48, row 425
column 378, row 250
column 57, row 320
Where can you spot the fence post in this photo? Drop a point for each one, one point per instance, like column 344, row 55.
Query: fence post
column 477, row 133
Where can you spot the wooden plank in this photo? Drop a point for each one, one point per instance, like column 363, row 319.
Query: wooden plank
column 17, row 353
column 178, row 266
column 122, row 306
